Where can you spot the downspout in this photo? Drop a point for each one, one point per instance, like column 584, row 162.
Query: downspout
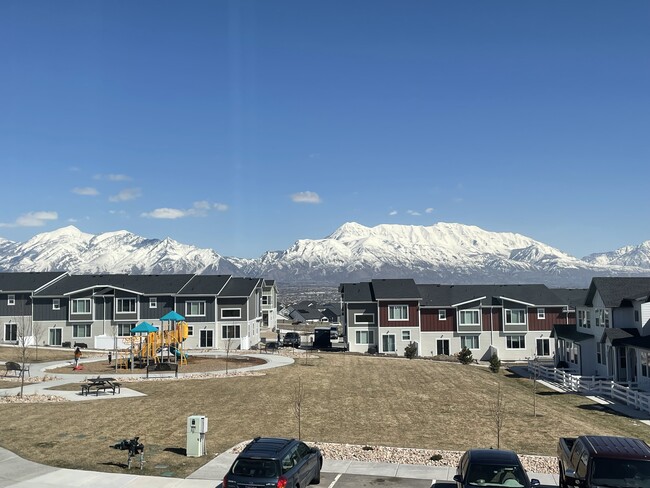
column 491, row 326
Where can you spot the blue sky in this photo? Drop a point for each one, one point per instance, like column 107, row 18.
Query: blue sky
column 243, row 126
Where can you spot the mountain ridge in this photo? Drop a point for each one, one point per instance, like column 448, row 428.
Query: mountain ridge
column 440, row 253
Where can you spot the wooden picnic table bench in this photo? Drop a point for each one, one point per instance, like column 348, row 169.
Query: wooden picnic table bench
column 100, row 384
column 162, row 367
column 14, row 366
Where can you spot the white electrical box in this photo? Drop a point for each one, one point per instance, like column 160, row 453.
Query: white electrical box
column 197, row 427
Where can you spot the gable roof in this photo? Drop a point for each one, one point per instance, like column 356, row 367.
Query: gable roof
column 573, row 297
column 143, row 284
column 239, row 287
column 615, row 290
column 392, row 289
column 356, row 292
column 570, row 332
column 27, row 282
column 487, row 295
column 205, row 285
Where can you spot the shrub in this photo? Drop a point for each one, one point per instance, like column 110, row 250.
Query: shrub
column 465, row 356
column 435, row 457
column 411, row 351
column 495, row 363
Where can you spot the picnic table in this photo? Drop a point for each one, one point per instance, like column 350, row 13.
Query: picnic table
column 100, row 384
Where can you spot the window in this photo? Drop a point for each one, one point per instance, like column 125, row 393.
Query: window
column 543, row 347
column 636, row 315
column 81, row 330
column 584, row 318
column 364, row 318
column 124, row 330
column 266, row 300
column 125, row 305
column 388, row 343
column 230, row 313
column 541, row 313
column 190, row 330
column 469, row 317
column 645, row 362
column 11, row 299
column 406, row 335
column 515, row 342
column 442, row 347
column 11, row 332
column 470, row 342
column 442, row 314
column 230, row 331
column 56, row 304
column 516, row 316
column 600, row 353
column 398, row 312
column 195, row 309
column 153, row 302
column 81, row 305
column 365, row 337
column 206, row 338
column 606, row 317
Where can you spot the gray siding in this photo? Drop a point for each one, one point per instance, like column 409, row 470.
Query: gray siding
column 209, row 309
column 21, row 307
column 238, row 303
column 163, row 306
column 126, row 316
column 43, row 309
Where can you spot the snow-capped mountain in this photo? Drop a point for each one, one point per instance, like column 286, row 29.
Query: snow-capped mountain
column 441, row 253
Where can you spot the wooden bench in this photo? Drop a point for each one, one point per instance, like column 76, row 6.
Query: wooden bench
column 162, row 368
column 14, row 366
column 95, row 387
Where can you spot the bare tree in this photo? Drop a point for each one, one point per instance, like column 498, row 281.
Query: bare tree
column 498, row 413
column 38, row 332
column 298, row 398
column 535, row 376
column 228, row 347
column 24, row 338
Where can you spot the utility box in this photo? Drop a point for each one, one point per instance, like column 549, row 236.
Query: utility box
column 197, row 427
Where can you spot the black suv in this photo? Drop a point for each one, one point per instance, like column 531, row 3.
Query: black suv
column 274, row 462
column 291, row 339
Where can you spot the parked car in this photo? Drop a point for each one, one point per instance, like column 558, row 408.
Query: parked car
column 291, row 339
column 596, row 460
column 492, row 467
column 275, row 462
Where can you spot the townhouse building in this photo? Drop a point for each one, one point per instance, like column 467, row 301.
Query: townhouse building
column 57, row 309
column 515, row 321
column 611, row 337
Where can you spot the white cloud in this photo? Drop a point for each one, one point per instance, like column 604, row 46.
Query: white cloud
column 32, row 219
column 112, row 177
column 392, row 212
column 428, row 210
column 413, row 212
column 165, row 213
column 199, row 209
column 125, row 195
column 306, row 197
column 221, row 207
column 86, row 191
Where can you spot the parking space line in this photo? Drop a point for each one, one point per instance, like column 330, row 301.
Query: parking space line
column 335, row 480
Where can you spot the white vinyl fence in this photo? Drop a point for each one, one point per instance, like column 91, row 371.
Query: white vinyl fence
column 593, row 385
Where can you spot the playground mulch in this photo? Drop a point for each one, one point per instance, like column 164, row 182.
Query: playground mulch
column 195, row 364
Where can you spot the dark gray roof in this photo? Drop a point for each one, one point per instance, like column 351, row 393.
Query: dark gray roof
column 391, row 289
column 573, row 297
column 356, row 292
column 569, row 332
column 642, row 342
column 489, row 295
column 144, row 284
column 239, row 287
column 616, row 335
column 615, row 290
column 205, row 285
column 26, row 282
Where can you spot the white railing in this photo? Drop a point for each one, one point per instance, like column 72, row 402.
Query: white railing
column 595, row 385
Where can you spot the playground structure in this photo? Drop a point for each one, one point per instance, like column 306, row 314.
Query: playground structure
column 160, row 346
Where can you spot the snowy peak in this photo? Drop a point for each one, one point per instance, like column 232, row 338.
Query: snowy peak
column 624, row 256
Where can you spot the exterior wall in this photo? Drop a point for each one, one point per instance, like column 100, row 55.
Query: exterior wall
column 43, row 309
column 164, row 305
column 553, row 316
column 412, row 321
column 354, row 346
column 240, row 304
column 623, row 317
column 20, row 308
column 645, row 319
column 350, row 311
column 181, row 308
column 430, row 321
column 429, row 342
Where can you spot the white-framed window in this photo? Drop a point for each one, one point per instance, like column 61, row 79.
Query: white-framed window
column 365, row 337
column 364, row 318
column 153, row 302
column 469, row 341
column 515, row 316
column 606, row 317
column 442, row 314
column 81, row 330
column 56, row 304
column 126, row 305
column 11, row 299
column 124, row 330
column 541, row 313
column 231, row 313
column 231, row 331
column 469, row 317
column 584, row 318
column 398, row 312
column 516, row 341
column 195, row 308
column 388, row 343
column 600, row 353
column 266, row 300
column 543, row 346
column 11, row 332
column 81, row 305
column 645, row 363
column 406, row 335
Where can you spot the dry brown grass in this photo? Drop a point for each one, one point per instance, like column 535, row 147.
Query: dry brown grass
column 36, row 354
column 348, row 399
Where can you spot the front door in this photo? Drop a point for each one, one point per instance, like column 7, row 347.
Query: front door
column 207, row 338
column 442, row 347
column 55, row 337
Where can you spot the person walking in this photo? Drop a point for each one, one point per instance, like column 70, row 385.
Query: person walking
column 77, row 355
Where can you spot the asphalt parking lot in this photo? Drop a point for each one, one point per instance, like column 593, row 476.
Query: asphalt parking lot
column 332, row 480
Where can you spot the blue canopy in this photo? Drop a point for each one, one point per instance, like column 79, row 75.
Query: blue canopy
column 173, row 316
column 144, row 327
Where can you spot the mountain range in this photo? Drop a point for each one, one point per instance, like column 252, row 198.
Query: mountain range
column 440, row 253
